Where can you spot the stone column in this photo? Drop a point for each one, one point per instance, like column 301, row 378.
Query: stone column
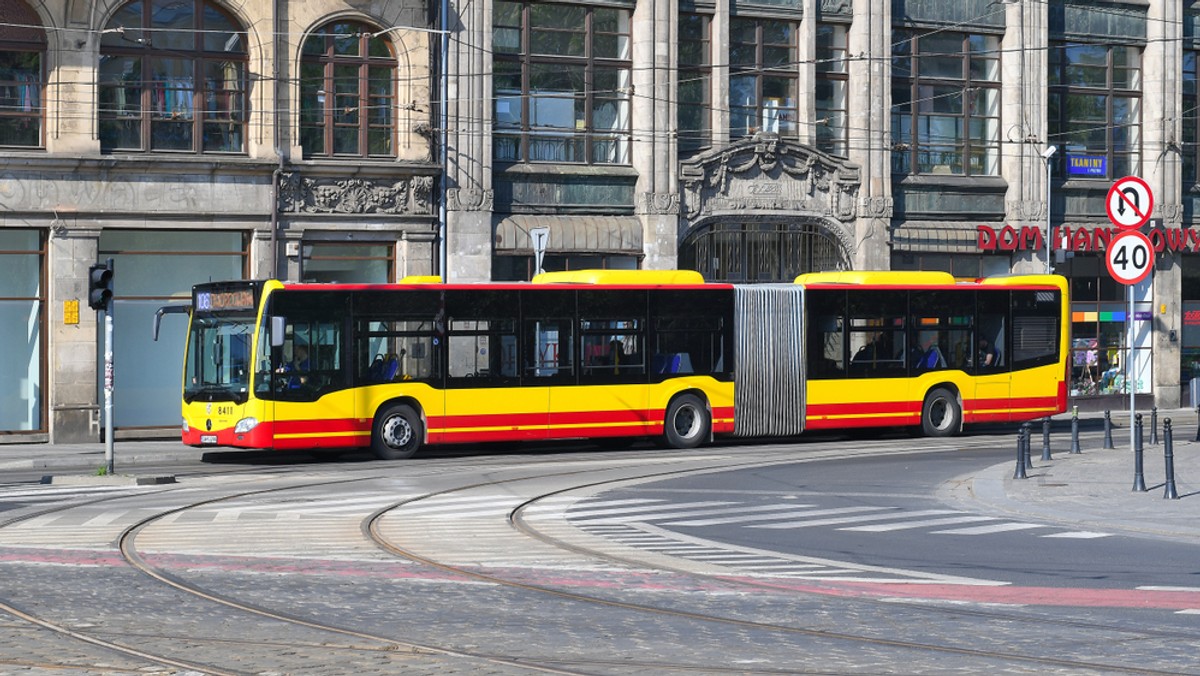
column 1162, row 103
column 719, row 85
column 74, row 408
column 870, row 94
column 1023, row 111
column 655, row 152
column 469, row 196
column 807, row 83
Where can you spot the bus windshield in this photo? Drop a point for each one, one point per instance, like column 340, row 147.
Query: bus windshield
column 219, row 358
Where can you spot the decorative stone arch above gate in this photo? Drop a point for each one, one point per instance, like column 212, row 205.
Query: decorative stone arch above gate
column 769, row 177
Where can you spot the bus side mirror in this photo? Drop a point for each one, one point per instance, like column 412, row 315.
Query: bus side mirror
column 278, row 331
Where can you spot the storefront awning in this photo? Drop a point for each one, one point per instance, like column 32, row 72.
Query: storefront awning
column 618, row 234
column 936, row 237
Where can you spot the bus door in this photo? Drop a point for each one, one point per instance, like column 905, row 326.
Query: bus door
column 990, row 361
column 314, row 407
column 485, row 399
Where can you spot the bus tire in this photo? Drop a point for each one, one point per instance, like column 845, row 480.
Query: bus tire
column 397, row 433
column 941, row 414
column 687, row 424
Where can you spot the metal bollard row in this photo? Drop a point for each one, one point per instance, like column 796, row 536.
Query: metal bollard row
column 1020, row 472
column 1153, row 425
column 1139, row 477
column 1108, row 442
column 1169, row 455
column 1075, row 430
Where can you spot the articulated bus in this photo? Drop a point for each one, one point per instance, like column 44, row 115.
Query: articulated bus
column 616, row 354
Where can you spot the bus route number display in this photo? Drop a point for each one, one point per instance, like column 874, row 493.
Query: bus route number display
column 1130, row 257
column 208, row 301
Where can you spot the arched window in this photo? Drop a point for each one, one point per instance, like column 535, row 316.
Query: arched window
column 22, row 51
column 173, row 78
column 347, row 93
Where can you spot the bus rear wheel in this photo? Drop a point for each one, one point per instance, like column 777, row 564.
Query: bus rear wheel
column 687, row 424
column 397, row 433
column 941, row 415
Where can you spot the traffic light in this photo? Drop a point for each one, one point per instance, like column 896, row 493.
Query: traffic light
column 100, row 285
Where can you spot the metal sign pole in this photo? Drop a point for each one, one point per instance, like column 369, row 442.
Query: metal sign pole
column 1129, row 363
column 108, row 384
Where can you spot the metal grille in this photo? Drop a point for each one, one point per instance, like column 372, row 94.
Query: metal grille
column 760, row 252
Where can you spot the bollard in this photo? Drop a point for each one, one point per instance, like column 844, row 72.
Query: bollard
column 1169, row 456
column 1075, row 430
column 1139, row 477
column 1027, row 431
column 1020, row 473
column 1108, row 442
column 1046, row 440
column 1153, row 425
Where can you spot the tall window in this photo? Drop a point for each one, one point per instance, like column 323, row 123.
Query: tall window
column 831, row 95
column 1191, row 118
column 764, row 77
column 1095, row 109
column 563, row 83
column 695, row 80
column 946, row 103
column 173, row 77
column 347, row 93
column 22, row 46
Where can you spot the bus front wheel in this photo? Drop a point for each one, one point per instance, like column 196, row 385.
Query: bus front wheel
column 687, row 423
column 397, row 433
column 941, row 416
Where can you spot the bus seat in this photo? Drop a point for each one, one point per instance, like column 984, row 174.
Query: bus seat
column 375, row 370
column 393, row 365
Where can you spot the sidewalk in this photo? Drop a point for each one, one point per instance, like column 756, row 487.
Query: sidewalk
column 1093, row 490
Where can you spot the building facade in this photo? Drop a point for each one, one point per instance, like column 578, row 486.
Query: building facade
column 339, row 140
column 188, row 141
column 759, row 139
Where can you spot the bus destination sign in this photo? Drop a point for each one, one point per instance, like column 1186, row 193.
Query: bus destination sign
column 208, row 301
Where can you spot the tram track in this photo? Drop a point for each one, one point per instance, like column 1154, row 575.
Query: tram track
column 515, row 519
column 376, row 643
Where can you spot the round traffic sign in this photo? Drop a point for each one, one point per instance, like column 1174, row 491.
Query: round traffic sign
column 1129, row 203
column 1130, row 257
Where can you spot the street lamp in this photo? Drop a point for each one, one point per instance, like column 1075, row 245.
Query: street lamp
column 1046, row 155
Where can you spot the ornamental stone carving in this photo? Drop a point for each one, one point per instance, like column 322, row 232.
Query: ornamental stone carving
column 300, row 194
column 876, row 207
column 1172, row 214
column 660, row 204
column 469, row 199
column 1019, row 211
column 767, row 174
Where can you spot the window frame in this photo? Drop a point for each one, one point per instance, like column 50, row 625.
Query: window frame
column 759, row 72
column 832, row 131
column 1060, row 89
column 136, row 46
column 693, row 139
column 518, row 143
column 915, row 100
column 331, row 60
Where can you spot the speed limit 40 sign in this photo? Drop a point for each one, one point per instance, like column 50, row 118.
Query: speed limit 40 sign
column 1130, row 257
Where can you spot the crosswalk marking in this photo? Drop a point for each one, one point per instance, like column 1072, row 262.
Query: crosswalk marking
column 992, row 528
column 584, row 514
column 1078, row 535
column 921, row 523
column 799, row 513
column 892, row 513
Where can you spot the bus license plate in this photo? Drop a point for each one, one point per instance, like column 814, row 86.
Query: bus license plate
column 208, row 439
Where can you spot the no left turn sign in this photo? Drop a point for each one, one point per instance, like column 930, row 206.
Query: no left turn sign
column 1130, row 257
column 1129, row 203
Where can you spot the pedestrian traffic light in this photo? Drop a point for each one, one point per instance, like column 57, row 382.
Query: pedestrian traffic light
column 100, row 285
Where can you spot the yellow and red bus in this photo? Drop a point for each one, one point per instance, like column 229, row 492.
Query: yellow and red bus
column 594, row 354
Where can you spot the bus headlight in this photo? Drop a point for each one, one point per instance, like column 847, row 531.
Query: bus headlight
column 245, row 425
column 186, row 429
